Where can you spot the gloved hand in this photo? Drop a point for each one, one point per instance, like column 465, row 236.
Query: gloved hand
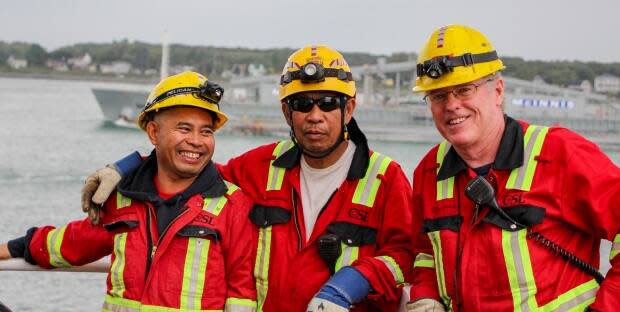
column 97, row 188
column 347, row 287
column 99, row 185
column 425, row 305
column 323, row 305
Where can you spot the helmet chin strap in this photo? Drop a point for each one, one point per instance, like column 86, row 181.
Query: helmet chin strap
column 341, row 138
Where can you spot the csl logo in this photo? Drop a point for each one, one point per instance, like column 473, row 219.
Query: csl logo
column 513, row 199
column 358, row 214
column 203, row 217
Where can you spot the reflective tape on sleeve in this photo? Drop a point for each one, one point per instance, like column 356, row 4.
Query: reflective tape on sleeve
column 445, row 188
column 261, row 267
column 240, row 305
column 194, row 273
column 276, row 174
column 118, row 265
column 521, row 178
column 423, row 260
column 615, row 248
column 54, row 243
column 366, row 190
column 394, row 268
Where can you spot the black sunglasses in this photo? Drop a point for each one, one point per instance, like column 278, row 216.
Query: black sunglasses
column 326, row 103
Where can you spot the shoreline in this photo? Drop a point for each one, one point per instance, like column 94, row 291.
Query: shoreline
column 77, row 77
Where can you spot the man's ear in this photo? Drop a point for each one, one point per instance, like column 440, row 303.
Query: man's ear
column 286, row 112
column 152, row 128
column 349, row 109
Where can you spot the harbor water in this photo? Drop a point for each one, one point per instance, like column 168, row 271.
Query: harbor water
column 52, row 136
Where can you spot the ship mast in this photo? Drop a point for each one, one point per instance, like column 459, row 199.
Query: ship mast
column 165, row 57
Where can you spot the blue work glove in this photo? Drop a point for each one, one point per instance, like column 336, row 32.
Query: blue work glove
column 346, row 288
column 99, row 185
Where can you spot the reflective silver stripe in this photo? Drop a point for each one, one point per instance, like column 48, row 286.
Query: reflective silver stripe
column 444, row 187
column 370, row 183
column 117, row 308
column 194, row 272
column 240, row 305
column 118, row 266
column 424, row 260
column 615, row 248
column 519, row 269
column 261, row 267
column 54, row 243
column 115, row 304
column 394, row 268
column 528, row 151
column 276, row 174
column 579, row 300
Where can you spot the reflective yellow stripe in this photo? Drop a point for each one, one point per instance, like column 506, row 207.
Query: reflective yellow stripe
column 240, row 305
column 116, row 304
column 216, row 204
column 122, row 201
column 436, row 242
column 118, row 266
column 521, row 178
column 261, row 267
column 113, row 304
column 615, row 247
column 276, row 174
column 445, row 188
column 576, row 299
column 391, row 264
column 519, row 267
column 347, row 256
column 194, row 272
column 54, row 242
column 424, row 261
column 366, row 190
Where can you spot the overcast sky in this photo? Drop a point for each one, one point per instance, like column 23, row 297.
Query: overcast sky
column 532, row 29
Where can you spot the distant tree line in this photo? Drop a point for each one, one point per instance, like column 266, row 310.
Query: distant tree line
column 214, row 60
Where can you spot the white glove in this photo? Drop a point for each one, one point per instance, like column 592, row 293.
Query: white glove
column 425, row 305
column 322, row 305
column 97, row 188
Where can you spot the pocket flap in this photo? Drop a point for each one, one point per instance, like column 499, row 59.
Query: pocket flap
column 353, row 234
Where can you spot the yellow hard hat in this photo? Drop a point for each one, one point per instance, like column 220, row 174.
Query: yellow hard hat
column 185, row 89
column 454, row 55
column 316, row 68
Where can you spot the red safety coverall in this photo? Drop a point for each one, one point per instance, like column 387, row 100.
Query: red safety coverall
column 550, row 179
column 201, row 261
column 370, row 213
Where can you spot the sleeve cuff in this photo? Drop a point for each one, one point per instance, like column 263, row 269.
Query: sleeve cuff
column 128, row 164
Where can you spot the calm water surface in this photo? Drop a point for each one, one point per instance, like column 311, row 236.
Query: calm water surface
column 52, row 137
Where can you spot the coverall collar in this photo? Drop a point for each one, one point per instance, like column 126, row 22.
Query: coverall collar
column 360, row 161
column 140, row 184
column 509, row 155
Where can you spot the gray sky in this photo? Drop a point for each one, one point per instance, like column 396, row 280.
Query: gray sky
column 532, row 29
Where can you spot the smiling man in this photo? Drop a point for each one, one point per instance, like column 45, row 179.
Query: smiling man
column 178, row 233
column 557, row 193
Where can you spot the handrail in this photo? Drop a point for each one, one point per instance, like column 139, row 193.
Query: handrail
column 18, row 264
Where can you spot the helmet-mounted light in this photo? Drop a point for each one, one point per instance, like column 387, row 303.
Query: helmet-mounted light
column 436, row 67
column 208, row 91
column 313, row 72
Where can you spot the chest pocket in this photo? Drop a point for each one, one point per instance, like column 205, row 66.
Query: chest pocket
column 197, row 231
column 351, row 237
column 123, row 218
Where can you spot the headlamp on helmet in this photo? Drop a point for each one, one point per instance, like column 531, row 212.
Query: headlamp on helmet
column 313, row 72
column 212, row 92
column 435, row 68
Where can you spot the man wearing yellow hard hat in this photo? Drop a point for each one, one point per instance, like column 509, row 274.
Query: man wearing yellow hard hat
column 508, row 215
column 178, row 234
column 333, row 217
